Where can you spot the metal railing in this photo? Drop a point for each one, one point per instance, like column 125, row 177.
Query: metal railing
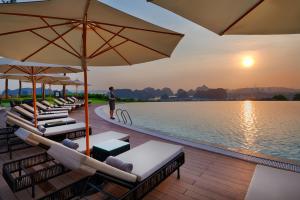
column 123, row 116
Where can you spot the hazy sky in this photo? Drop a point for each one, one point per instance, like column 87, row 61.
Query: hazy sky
column 203, row 57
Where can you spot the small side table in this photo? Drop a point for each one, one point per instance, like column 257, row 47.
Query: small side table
column 109, row 148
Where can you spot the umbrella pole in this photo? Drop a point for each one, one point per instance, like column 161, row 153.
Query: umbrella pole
column 20, row 88
column 6, row 88
column 86, row 95
column 86, row 107
column 34, row 100
column 43, row 91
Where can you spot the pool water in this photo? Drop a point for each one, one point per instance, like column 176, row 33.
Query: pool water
column 271, row 128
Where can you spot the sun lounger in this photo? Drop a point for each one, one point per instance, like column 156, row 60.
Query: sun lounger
column 30, row 115
column 50, row 105
column 49, row 109
column 31, row 109
column 56, row 132
column 18, row 183
column 59, row 103
column 152, row 163
column 77, row 104
column 67, row 120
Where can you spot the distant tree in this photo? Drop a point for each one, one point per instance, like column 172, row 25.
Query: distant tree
column 191, row 92
column 164, row 97
column 296, row 97
column 182, row 94
column 279, row 97
column 167, row 91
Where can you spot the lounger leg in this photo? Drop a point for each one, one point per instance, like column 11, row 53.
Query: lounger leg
column 33, row 191
column 178, row 173
column 10, row 151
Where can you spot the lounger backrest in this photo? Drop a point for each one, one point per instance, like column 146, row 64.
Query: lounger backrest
column 28, row 107
column 58, row 102
column 31, row 138
column 14, row 121
column 41, row 106
column 62, row 100
column 24, row 112
column 71, row 100
column 19, row 118
column 75, row 160
column 47, row 103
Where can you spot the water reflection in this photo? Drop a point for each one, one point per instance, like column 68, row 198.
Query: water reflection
column 248, row 122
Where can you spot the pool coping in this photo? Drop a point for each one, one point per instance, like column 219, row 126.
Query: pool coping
column 242, row 154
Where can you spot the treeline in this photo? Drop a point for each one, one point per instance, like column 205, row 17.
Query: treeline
column 149, row 93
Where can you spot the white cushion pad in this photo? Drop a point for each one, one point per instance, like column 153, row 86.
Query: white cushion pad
column 149, row 157
column 56, row 130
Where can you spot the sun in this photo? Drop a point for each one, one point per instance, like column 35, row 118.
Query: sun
column 248, row 62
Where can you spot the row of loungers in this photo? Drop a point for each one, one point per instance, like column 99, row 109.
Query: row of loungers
column 55, row 124
column 152, row 163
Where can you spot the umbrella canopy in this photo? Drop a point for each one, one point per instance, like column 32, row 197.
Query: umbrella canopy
column 40, row 78
column 239, row 16
column 81, row 32
column 30, row 70
column 8, row 66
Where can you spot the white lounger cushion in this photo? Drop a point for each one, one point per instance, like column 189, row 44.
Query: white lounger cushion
column 28, row 107
column 46, row 109
column 17, row 117
column 56, row 107
column 40, row 117
column 56, row 130
column 50, row 131
column 97, row 138
column 31, row 109
column 67, row 120
column 149, row 157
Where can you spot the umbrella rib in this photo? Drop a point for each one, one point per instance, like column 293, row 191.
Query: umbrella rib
column 140, row 44
column 51, row 42
column 111, row 46
column 43, row 70
column 242, row 17
column 36, row 28
column 11, row 67
column 55, row 44
column 135, row 28
column 58, row 35
column 107, row 42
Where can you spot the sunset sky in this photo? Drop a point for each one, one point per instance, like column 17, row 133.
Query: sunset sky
column 203, row 57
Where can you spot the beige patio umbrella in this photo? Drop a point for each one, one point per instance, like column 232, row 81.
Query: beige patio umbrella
column 81, row 32
column 70, row 82
column 231, row 17
column 30, row 69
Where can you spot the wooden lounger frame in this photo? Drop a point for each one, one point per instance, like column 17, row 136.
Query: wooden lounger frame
column 18, row 177
column 10, row 142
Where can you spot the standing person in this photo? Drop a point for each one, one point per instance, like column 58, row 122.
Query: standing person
column 111, row 101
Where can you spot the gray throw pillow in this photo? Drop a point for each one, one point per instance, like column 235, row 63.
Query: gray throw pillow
column 71, row 144
column 41, row 128
column 119, row 164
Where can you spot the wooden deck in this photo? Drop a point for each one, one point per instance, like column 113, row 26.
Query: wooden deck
column 204, row 175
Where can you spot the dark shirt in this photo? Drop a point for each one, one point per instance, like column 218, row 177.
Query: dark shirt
column 111, row 96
